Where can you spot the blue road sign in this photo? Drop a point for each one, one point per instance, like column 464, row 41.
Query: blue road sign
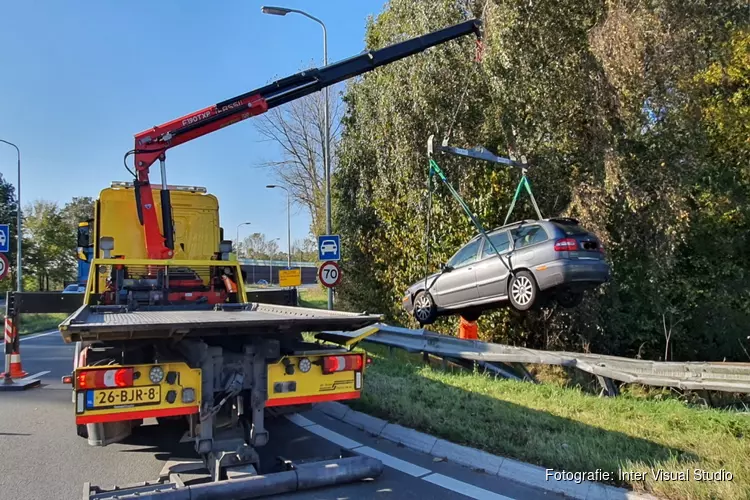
column 4, row 238
column 329, row 247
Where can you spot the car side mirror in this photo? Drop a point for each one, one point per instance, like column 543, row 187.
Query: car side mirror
column 446, row 268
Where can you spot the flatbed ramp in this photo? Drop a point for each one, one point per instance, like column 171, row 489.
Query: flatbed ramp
column 117, row 323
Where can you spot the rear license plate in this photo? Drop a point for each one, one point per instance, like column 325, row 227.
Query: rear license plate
column 124, row 396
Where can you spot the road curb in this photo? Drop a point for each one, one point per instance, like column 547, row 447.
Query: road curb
column 520, row 472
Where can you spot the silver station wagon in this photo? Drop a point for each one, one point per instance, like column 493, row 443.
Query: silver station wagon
column 538, row 261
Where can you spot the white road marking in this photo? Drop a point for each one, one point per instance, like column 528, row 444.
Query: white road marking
column 441, row 480
column 393, row 462
column 334, row 437
column 37, row 335
column 299, row 420
column 463, row 488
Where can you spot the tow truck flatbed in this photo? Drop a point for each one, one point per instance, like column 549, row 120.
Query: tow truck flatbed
column 117, row 323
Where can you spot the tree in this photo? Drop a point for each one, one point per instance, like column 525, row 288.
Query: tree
column 257, row 246
column 634, row 118
column 305, row 250
column 298, row 128
column 79, row 209
column 51, row 257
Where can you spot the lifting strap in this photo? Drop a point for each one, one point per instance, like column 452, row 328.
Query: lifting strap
column 524, row 182
column 436, row 170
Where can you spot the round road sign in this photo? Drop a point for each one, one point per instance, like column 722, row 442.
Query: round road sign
column 4, row 266
column 329, row 274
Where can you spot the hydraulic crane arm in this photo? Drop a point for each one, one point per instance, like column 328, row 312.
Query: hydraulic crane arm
column 151, row 145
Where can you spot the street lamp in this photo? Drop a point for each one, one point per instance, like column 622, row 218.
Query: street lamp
column 282, row 11
column 270, row 263
column 19, row 286
column 237, row 239
column 288, row 223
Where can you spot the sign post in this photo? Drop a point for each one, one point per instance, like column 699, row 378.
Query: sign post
column 329, row 274
column 329, row 251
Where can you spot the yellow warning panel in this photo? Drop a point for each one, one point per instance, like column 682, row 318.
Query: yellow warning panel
column 290, row 277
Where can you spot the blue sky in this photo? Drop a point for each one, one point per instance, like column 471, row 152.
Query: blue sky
column 79, row 78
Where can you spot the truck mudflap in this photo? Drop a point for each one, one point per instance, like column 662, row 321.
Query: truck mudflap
column 349, row 467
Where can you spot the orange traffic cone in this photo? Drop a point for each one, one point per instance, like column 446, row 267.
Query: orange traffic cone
column 12, row 352
column 467, row 329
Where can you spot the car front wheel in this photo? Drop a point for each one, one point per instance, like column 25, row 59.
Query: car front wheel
column 425, row 310
column 522, row 291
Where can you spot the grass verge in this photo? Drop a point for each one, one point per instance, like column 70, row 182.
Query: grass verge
column 316, row 297
column 34, row 323
column 564, row 428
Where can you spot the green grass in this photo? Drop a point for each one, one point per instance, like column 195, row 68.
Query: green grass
column 313, row 297
column 560, row 427
column 33, row 323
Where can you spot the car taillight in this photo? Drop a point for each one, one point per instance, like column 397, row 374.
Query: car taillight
column 100, row 379
column 566, row 245
column 332, row 364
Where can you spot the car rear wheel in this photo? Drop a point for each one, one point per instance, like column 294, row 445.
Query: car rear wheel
column 522, row 291
column 425, row 310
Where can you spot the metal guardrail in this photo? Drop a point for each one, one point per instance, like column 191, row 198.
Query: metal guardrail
column 503, row 359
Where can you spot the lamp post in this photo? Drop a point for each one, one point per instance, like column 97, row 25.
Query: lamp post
column 237, row 238
column 288, row 223
column 270, row 264
column 282, row 11
column 19, row 286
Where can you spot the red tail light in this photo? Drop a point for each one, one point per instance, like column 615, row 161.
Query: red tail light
column 566, row 245
column 332, row 364
column 102, row 379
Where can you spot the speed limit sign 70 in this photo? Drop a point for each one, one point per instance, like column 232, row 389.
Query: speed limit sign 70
column 329, row 274
column 4, row 266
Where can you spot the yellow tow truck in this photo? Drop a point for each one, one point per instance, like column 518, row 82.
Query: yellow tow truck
column 166, row 331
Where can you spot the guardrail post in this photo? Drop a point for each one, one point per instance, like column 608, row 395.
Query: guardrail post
column 608, row 385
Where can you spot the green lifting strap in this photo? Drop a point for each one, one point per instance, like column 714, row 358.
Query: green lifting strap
column 436, row 170
column 524, row 182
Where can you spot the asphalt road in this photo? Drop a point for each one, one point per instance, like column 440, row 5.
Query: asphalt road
column 43, row 458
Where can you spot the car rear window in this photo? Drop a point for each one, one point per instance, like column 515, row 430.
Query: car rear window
column 528, row 235
column 570, row 229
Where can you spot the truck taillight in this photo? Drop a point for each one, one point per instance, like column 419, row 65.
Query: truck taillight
column 332, row 364
column 101, row 379
column 566, row 245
